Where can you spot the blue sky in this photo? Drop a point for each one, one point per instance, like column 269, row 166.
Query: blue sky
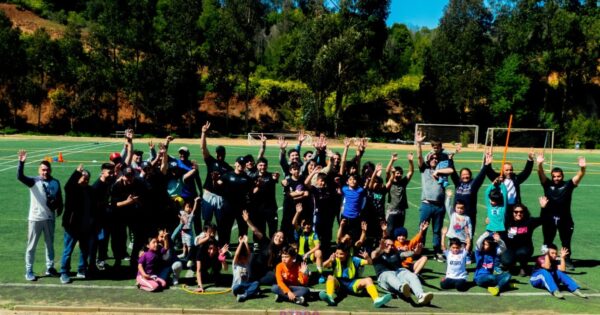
column 416, row 13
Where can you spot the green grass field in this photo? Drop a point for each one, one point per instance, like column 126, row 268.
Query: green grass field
column 15, row 290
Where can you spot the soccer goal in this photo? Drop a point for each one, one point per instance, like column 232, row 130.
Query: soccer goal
column 292, row 138
column 521, row 140
column 467, row 135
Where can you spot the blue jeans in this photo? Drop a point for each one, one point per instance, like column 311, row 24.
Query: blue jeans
column 247, row 288
column 297, row 290
column 69, row 244
column 435, row 213
column 490, row 280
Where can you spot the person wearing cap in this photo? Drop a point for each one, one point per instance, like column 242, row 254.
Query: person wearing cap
column 432, row 195
column 45, row 205
column 236, row 186
column 293, row 154
column 411, row 249
column 78, row 222
column 212, row 198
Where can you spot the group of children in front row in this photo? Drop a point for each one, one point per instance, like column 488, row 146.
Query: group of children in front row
column 397, row 262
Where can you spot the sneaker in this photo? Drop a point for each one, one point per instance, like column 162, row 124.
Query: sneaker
column 544, row 249
column 321, row 279
column 382, row 300
column 579, row 294
column 405, row 289
column 81, row 275
column 30, row 276
column 181, row 256
column 241, row 297
column 440, row 257
column 425, row 299
column 189, row 264
column 175, row 282
column 469, row 260
column 278, row 298
column 64, row 278
column 127, row 258
column 101, row 265
column 299, row 300
column 495, row 291
column 51, row 272
column 569, row 264
column 327, row 298
column 558, row 295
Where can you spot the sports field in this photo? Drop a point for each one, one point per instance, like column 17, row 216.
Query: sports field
column 15, row 290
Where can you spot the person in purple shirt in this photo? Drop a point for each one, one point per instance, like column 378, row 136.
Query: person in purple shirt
column 152, row 272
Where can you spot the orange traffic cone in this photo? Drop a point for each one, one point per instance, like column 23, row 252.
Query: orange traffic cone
column 60, row 157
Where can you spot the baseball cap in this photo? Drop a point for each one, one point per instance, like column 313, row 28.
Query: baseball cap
column 241, row 160
column 115, row 157
column 184, row 149
column 400, row 231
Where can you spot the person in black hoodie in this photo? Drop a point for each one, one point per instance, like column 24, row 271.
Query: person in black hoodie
column 77, row 222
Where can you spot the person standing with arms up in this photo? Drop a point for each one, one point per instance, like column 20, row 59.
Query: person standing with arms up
column 46, row 203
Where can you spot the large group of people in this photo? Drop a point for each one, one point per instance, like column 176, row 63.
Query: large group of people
column 150, row 213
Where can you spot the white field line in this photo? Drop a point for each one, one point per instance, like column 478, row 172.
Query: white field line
column 133, row 287
column 41, row 153
column 66, row 152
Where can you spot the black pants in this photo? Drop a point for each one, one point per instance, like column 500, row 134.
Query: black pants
column 564, row 226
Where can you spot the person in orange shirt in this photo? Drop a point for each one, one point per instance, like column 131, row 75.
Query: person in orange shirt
column 411, row 250
column 292, row 278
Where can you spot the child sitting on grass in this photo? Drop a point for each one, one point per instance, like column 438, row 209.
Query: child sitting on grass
column 550, row 272
column 152, row 272
column 456, row 261
column 308, row 242
column 487, row 256
column 241, row 286
column 344, row 277
column 292, row 278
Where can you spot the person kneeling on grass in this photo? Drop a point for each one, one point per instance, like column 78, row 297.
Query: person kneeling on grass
column 487, row 256
column 344, row 277
column 210, row 260
column 292, row 278
column 241, row 286
column 308, row 241
column 393, row 277
column 152, row 272
column 550, row 272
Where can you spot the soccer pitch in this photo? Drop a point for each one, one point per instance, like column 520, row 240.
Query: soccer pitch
column 15, row 290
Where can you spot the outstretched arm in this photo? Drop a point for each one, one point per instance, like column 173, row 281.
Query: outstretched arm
column 419, row 138
column 203, row 146
column 20, row 173
column 582, row 164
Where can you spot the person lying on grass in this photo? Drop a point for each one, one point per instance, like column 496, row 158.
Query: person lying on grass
column 344, row 277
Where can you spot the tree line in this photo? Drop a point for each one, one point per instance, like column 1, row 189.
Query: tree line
column 331, row 66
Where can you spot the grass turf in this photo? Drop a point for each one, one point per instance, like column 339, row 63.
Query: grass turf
column 47, row 291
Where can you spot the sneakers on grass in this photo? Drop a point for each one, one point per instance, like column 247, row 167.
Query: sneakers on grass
column 425, row 299
column 405, row 289
column 64, row 278
column 558, row 295
column 327, row 298
column 495, row 291
column 51, row 272
column 30, row 276
column 579, row 294
column 382, row 300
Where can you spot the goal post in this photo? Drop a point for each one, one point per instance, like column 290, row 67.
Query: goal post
column 467, row 135
column 538, row 139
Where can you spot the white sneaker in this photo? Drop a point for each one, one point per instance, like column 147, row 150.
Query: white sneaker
column 425, row 299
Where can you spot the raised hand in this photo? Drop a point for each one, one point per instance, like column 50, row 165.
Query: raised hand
column 410, row 156
column 169, row 139
column 129, row 135
column 424, row 225
column 301, row 136
column 564, row 252
column 245, row 215
column 206, row 127
column 383, row 225
column 543, row 201
column 540, row 158
column 303, row 267
column 581, row 161
column 299, row 207
column 347, row 142
column 263, row 139
column 363, row 226
column 419, row 137
column 80, row 168
column 282, row 143
column 363, row 254
column 224, row 249
column 489, row 158
column 22, row 156
column 150, row 145
column 531, row 154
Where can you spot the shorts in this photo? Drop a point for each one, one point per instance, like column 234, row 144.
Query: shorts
column 186, row 237
column 349, row 286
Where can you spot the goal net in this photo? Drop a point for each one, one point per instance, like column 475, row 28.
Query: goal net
column 291, row 138
column 521, row 141
column 467, row 135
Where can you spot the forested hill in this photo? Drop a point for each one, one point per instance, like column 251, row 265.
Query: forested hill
column 166, row 66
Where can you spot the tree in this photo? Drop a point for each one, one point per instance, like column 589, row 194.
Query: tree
column 13, row 67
